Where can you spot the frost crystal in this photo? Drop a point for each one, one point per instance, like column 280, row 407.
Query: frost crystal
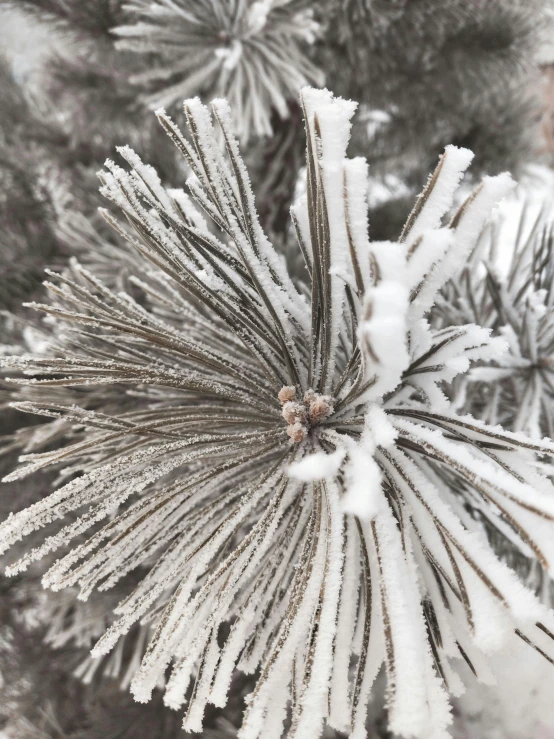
column 282, row 458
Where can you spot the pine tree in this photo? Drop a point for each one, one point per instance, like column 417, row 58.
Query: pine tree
column 426, row 75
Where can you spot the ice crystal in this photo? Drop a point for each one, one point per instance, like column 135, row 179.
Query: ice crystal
column 277, row 460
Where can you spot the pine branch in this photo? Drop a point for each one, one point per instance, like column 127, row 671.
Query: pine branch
column 277, row 462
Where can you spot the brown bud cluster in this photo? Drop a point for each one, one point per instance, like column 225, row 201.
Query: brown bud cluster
column 302, row 415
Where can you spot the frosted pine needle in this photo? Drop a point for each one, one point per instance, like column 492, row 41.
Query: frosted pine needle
column 252, row 52
column 281, row 457
column 508, row 287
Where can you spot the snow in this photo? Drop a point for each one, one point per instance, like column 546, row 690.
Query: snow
column 363, row 496
column 257, row 15
column 440, row 189
column 418, row 703
column 385, row 312
column 317, row 466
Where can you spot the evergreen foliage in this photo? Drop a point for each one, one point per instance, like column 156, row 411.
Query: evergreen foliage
column 284, row 469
